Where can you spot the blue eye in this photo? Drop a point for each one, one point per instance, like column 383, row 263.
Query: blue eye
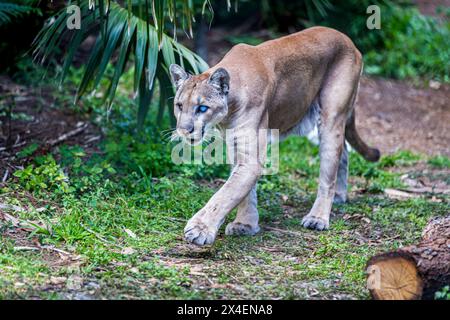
column 202, row 108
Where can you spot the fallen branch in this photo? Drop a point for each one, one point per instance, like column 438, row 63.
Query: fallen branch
column 24, row 248
column 431, row 190
column 414, row 193
column 5, row 206
column 92, row 139
column 13, row 146
column 40, row 248
column 80, row 128
column 398, row 194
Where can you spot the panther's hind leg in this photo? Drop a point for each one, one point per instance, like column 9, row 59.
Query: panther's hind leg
column 342, row 177
column 246, row 222
column 336, row 102
column 331, row 144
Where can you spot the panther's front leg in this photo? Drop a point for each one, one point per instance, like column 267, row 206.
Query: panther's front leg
column 202, row 228
column 247, row 151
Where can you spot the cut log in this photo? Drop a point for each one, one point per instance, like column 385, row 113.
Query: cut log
column 413, row 272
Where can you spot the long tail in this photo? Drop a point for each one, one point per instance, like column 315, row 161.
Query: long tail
column 352, row 136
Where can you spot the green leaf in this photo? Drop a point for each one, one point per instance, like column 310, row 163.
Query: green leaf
column 166, row 91
column 144, row 98
column 167, row 51
column 158, row 8
column 125, row 32
column 152, row 60
column 140, row 53
column 120, row 66
column 116, row 28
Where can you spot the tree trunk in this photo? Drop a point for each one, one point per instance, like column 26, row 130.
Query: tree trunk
column 416, row 271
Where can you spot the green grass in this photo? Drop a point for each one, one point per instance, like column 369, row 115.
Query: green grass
column 127, row 230
column 119, row 216
column 440, row 162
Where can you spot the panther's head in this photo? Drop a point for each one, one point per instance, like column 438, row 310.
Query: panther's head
column 200, row 102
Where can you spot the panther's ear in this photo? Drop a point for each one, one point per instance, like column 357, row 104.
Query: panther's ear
column 178, row 75
column 220, row 79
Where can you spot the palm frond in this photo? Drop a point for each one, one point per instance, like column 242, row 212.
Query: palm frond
column 126, row 35
column 10, row 11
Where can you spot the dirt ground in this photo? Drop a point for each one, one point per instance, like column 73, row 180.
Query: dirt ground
column 394, row 115
column 37, row 119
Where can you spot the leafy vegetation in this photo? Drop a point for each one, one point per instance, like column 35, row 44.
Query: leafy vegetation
column 108, row 223
column 10, row 10
column 46, row 175
column 18, row 22
column 116, row 216
column 412, row 46
column 439, row 162
column 443, row 294
column 128, row 33
column 409, row 45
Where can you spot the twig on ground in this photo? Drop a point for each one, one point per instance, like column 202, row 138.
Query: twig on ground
column 99, row 237
column 80, row 128
column 9, row 218
column 431, row 190
column 5, row 206
column 176, row 219
column 298, row 234
column 397, row 194
column 13, row 146
column 92, row 139
column 5, row 176
column 24, row 248
column 52, row 248
column 39, row 248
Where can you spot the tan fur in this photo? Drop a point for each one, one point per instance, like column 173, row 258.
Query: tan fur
column 273, row 85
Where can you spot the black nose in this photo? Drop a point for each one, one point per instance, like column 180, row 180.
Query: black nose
column 190, row 128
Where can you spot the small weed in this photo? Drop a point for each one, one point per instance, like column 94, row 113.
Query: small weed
column 46, row 174
column 443, row 294
column 441, row 162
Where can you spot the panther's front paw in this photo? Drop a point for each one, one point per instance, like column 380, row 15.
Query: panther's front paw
column 315, row 223
column 199, row 233
column 241, row 229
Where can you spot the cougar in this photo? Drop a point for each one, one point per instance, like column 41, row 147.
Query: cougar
column 292, row 84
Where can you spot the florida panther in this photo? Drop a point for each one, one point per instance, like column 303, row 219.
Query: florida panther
column 310, row 77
